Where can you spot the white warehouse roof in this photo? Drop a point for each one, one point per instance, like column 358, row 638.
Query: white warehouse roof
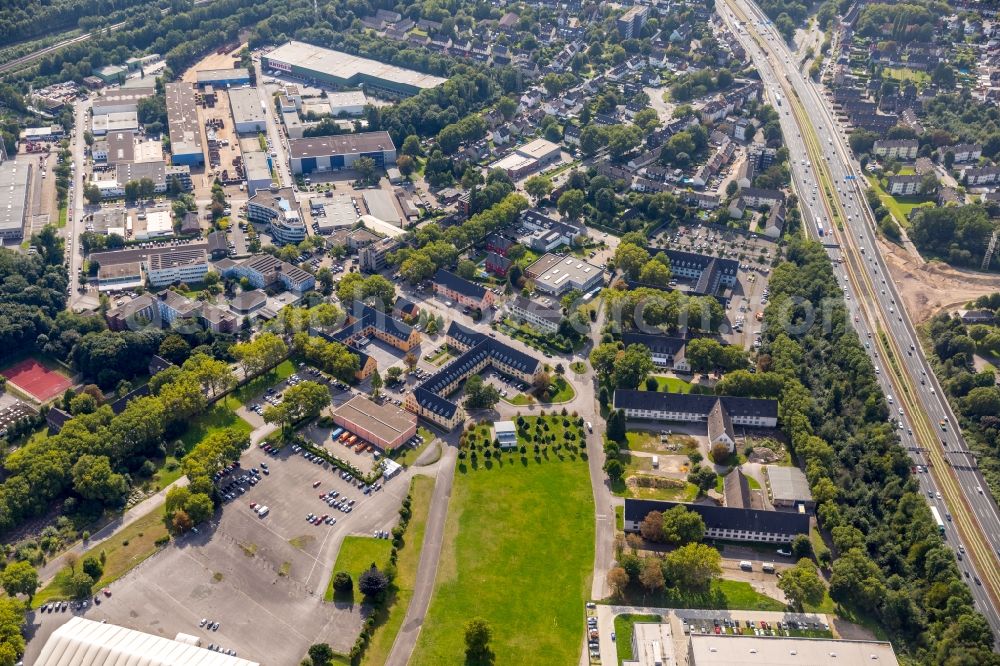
column 82, row 642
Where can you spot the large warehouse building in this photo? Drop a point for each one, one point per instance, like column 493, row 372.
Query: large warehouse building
column 332, row 153
column 182, row 118
column 386, row 426
column 13, row 199
column 314, row 63
column 248, row 110
column 83, row 642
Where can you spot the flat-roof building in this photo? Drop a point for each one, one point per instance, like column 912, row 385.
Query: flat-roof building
column 248, row 110
column 332, row 153
column 257, row 169
column 177, row 264
column 120, row 269
column 118, row 121
column 315, row 63
column 237, row 76
column 263, row 270
column 83, row 642
column 557, row 274
column 120, row 147
column 13, row 199
column 729, row 650
column 120, row 99
column 506, row 434
column 349, row 102
column 278, row 209
column 788, row 487
column 386, row 426
column 182, row 119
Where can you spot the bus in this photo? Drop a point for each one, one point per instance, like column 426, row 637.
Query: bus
column 336, row 433
column 819, row 227
column 937, row 519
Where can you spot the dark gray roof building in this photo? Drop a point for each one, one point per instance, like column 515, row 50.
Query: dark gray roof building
column 721, row 522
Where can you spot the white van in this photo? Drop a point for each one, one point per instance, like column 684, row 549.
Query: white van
column 746, row 565
column 767, row 567
column 263, row 511
column 656, row 462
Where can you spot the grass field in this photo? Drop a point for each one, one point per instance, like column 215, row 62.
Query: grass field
column 409, row 455
column 506, row 560
column 240, row 396
column 900, row 207
column 624, row 627
column 579, row 367
column 644, row 440
column 669, row 385
column 389, row 619
column 562, row 391
column 124, row 551
column 906, row 74
column 724, row 594
column 215, row 418
column 357, row 553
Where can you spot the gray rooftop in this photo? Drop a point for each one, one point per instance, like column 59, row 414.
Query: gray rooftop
column 788, row 483
column 246, row 106
column 346, row 66
column 182, row 119
column 13, row 195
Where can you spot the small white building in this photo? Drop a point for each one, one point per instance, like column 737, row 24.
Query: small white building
column 505, row 433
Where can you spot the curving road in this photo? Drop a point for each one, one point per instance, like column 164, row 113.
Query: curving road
column 828, row 181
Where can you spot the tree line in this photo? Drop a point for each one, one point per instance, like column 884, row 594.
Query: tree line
column 891, row 564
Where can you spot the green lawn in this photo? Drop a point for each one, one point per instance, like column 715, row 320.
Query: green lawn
column 409, row 455
column 650, row 442
column 752, row 482
column 389, row 619
column 724, row 594
column 215, row 418
column 669, row 385
column 521, row 400
column 506, row 560
column 357, row 554
column 124, row 551
column 579, row 367
column 900, row 207
column 624, row 627
column 906, row 74
column 562, row 391
column 260, row 384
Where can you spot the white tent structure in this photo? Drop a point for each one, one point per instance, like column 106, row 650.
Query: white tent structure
column 83, row 642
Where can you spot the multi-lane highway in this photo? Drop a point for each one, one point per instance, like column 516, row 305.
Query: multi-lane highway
column 829, row 183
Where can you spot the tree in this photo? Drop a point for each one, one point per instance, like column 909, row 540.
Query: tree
column 615, row 469
column 477, row 642
column 632, row 259
column 479, row 394
column 616, row 425
column 703, row 477
column 802, row 585
column 321, row 654
column 801, row 546
column 174, row 348
column 94, row 479
column 655, row 272
column 365, row 166
column 538, row 187
column 633, row 366
column 571, row 203
column 394, row 374
column 411, row 146
column 681, row 526
column 617, row 580
column 410, row 360
column 406, row 165
column 80, row 585
column 342, row 582
column 466, row 269
column 19, row 577
column 376, row 383
column 651, row 576
column 373, row 583
column 92, row 567
column 651, row 527
column 693, row 567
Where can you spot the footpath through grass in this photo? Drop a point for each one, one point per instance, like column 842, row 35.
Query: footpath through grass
column 518, row 551
column 123, row 552
column 389, row 619
column 624, row 628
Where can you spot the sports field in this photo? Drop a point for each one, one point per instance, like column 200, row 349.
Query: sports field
column 36, row 380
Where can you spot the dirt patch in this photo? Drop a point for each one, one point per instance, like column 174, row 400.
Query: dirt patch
column 764, row 456
column 658, row 482
column 927, row 287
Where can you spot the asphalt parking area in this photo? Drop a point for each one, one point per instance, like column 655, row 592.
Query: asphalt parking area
column 321, row 437
column 263, row 580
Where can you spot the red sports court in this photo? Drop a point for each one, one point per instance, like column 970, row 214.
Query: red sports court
column 36, row 380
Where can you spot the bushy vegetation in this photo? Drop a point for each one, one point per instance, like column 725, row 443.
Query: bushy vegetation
column 958, row 234
column 891, row 564
column 974, row 395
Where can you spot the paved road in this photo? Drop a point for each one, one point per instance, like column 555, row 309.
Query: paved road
column 140, row 510
column 954, row 486
column 430, row 555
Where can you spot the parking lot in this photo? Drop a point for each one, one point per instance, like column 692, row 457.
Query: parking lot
column 262, row 579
